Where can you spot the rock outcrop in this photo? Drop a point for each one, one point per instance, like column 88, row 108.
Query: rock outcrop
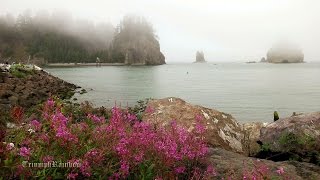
column 296, row 137
column 251, row 136
column 230, row 165
column 302, row 127
column 222, row 129
column 200, row 57
column 285, row 53
column 31, row 89
column 135, row 43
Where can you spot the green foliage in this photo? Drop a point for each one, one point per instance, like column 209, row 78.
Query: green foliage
column 275, row 116
column 20, row 71
column 265, row 147
column 292, row 142
column 139, row 108
column 146, row 170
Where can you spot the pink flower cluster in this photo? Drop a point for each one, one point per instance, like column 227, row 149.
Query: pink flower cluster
column 137, row 141
column 59, row 123
column 119, row 148
column 36, row 125
column 96, row 119
column 25, row 152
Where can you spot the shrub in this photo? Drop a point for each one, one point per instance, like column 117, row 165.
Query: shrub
column 99, row 148
column 20, row 71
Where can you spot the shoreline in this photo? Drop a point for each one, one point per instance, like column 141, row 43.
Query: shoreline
column 82, row 64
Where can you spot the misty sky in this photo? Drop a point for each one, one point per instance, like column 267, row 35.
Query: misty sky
column 225, row 30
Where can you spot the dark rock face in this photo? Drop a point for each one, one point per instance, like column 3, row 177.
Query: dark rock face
column 30, row 90
column 200, row 57
column 135, row 43
column 285, row 54
column 222, row 129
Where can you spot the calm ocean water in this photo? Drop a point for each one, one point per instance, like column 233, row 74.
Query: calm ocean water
column 250, row 92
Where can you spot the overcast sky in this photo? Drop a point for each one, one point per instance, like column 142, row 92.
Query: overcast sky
column 226, row 30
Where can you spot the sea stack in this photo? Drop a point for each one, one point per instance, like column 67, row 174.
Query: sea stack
column 135, row 43
column 263, row 60
column 200, row 57
column 285, row 53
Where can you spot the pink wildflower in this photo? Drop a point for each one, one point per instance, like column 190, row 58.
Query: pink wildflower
column 44, row 138
column 131, row 117
column 59, row 119
column 50, row 102
column 35, row 124
column 180, row 170
column 139, row 157
column 25, row 152
column 124, row 168
column 280, row 170
column 85, row 169
column 96, row 119
column 72, row 175
column 210, row 171
column 47, row 159
column 149, row 109
column 94, row 156
column 64, row 133
column 10, row 146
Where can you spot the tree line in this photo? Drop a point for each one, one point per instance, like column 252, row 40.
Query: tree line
column 59, row 38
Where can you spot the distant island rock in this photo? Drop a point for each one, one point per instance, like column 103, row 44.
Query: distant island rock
column 285, row 53
column 263, row 60
column 200, row 57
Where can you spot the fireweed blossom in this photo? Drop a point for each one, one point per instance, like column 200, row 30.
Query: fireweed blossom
column 36, row 125
column 72, row 175
column 118, row 147
column 180, row 170
column 47, row 159
column 96, row 119
column 10, row 146
column 280, row 170
column 25, row 152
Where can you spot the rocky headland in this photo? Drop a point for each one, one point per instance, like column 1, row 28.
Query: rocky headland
column 136, row 43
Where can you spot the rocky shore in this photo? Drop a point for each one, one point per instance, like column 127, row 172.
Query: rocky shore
column 291, row 143
column 25, row 88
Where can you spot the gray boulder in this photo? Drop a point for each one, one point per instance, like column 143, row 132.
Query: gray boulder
column 222, row 130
